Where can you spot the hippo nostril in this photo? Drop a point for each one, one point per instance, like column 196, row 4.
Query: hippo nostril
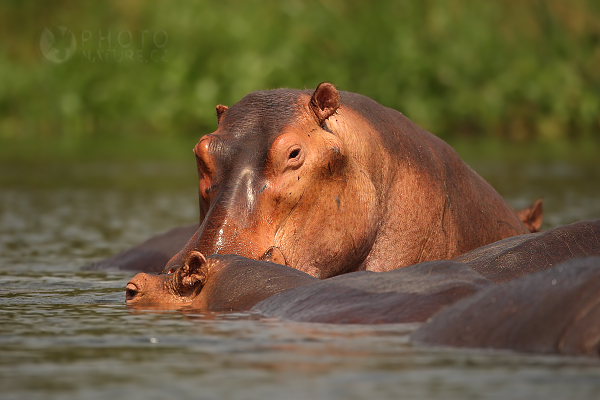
column 130, row 291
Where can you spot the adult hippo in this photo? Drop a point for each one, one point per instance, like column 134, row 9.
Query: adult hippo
column 331, row 182
column 521, row 255
column 552, row 311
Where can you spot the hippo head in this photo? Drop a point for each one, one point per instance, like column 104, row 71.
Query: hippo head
column 215, row 283
column 277, row 183
column 175, row 290
column 330, row 182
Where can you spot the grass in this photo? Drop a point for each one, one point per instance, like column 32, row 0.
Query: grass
column 496, row 79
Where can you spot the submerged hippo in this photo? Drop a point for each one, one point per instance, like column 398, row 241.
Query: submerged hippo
column 234, row 283
column 521, row 255
column 551, row 311
column 554, row 310
column 410, row 294
column 331, row 182
column 214, row 283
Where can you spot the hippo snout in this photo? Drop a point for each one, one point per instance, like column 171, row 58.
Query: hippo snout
column 156, row 291
column 137, row 287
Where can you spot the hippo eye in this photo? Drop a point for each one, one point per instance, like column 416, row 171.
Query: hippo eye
column 170, row 271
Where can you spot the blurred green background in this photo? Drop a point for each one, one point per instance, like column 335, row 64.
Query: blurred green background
column 140, row 80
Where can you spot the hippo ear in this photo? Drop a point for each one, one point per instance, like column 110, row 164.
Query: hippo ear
column 532, row 216
column 194, row 270
column 325, row 101
column 220, row 111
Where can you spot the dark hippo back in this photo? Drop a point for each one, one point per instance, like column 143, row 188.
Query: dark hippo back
column 520, row 255
column 409, row 294
column 552, row 311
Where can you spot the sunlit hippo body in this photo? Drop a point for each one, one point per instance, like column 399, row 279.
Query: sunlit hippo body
column 331, row 182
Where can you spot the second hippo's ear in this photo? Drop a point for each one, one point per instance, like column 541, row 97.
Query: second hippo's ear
column 325, row 101
column 194, row 270
column 220, row 111
column 532, row 216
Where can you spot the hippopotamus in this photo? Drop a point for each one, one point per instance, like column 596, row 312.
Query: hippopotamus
column 214, row 283
column 511, row 258
column 235, row 283
column 555, row 311
column 416, row 292
column 410, row 294
column 329, row 182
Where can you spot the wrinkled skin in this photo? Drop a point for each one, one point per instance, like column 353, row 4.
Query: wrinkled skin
column 215, row 283
column 331, row 182
column 556, row 311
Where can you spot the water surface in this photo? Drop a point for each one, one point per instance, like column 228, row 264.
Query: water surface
column 66, row 333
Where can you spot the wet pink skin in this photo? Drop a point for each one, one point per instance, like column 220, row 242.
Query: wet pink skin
column 215, row 283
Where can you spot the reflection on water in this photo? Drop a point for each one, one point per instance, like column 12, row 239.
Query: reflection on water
column 66, row 333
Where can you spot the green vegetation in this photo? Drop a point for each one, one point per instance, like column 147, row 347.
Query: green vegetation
column 486, row 72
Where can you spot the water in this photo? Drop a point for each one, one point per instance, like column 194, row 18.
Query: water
column 66, row 333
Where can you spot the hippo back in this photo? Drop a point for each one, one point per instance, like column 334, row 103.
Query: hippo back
column 552, row 311
column 410, row 294
column 521, row 255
